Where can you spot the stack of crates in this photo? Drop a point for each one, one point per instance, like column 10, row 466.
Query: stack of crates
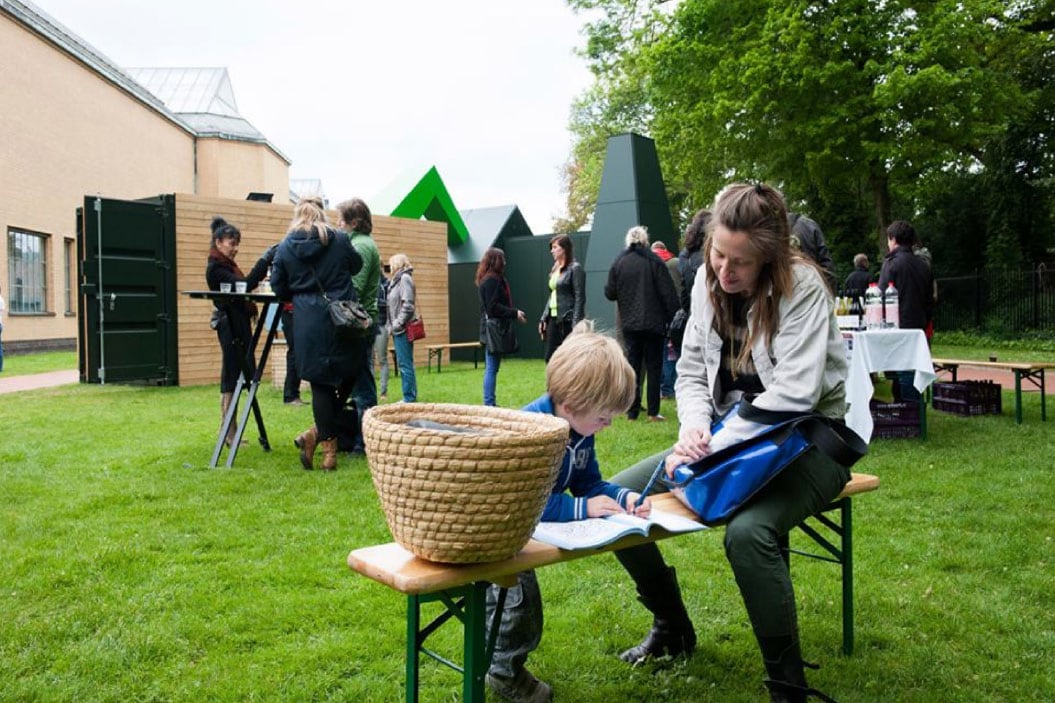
column 894, row 420
column 968, row 398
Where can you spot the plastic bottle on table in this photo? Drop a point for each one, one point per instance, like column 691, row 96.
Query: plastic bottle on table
column 857, row 311
column 873, row 307
column 890, row 309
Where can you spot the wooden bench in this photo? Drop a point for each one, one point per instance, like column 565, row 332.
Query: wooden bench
column 436, row 351
column 462, row 588
column 1030, row 371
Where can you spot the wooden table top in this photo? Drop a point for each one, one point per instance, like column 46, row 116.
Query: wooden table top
column 399, row 569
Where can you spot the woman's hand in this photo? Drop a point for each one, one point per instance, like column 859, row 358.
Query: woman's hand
column 521, row 317
column 602, row 506
column 695, row 445
column 542, row 329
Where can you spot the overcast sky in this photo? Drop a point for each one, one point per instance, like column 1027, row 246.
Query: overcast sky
column 360, row 93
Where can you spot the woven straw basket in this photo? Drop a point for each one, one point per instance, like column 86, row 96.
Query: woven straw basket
column 463, row 497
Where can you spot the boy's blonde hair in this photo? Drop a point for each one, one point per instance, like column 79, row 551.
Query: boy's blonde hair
column 589, row 373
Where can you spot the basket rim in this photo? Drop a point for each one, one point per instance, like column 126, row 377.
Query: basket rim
column 463, row 414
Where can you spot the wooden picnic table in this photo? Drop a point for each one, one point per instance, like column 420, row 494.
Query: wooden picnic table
column 1023, row 370
column 462, row 588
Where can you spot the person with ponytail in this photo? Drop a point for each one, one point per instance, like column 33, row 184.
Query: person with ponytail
column 232, row 319
column 761, row 329
column 313, row 266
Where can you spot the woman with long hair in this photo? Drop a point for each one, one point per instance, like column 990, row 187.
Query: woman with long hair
column 566, row 305
column 496, row 302
column 232, row 319
column 402, row 308
column 314, row 265
column 762, row 337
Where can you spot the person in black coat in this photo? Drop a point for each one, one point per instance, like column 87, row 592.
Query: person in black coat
column 859, row 278
column 646, row 301
column 313, row 263
column 912, row 277
column 496, row 302
column 232, row 319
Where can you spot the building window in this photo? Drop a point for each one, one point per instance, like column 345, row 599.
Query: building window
column 27, row 264
column 70, row 273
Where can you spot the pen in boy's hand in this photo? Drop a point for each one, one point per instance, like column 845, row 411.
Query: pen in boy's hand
column 648, row 486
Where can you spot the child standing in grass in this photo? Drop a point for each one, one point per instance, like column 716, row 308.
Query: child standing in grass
column 588, row 381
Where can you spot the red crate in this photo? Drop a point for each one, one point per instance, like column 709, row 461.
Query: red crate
column 968, row 398
column 894, row 420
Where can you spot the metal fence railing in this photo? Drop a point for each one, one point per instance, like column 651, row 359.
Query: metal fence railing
column 997, row 301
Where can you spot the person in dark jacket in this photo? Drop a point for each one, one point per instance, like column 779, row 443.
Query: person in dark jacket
column 912, row 277
column 646, row 301
column 566, row 304
column 233, row 318
column 314, row 265
column 859, row 278
column 807, row 237
column 496, row 302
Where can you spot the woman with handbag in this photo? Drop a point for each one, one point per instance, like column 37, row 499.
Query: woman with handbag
column 402, row 311
column 761, row 328
column 497, row 315
column 232, row 319
column 566, row 305
column 314, row 266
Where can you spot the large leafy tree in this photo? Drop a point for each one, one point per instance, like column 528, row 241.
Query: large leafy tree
column 848, row 105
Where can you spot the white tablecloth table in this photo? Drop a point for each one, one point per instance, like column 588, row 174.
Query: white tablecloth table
column 882, row 350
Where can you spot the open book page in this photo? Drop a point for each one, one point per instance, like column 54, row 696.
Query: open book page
column 598, row 531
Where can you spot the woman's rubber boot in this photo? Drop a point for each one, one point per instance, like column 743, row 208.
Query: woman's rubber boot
column 786, row 670
column 306, row 442
column 329, row 454
column 672, row 633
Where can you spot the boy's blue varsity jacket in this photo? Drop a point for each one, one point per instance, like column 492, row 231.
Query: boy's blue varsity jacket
column 579, row 474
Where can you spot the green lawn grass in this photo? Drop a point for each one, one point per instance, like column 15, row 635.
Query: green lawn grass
column 25, row 364
column 130, row 571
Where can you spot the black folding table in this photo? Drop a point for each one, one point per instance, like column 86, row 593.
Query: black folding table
column 252, row 370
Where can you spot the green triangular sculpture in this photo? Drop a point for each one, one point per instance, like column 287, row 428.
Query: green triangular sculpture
column 429, row 199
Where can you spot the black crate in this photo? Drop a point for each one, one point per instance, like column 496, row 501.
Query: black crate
column 968, row 398
column 894, row 420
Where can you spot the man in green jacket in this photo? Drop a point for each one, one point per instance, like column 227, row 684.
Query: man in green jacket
column 356, row 221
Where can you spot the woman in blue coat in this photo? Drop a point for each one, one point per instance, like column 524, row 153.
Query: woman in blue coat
column 314, row 259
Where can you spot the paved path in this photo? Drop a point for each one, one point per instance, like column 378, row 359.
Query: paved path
column 11, row 384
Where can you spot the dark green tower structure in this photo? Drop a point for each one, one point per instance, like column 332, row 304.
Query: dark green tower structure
column 632, row 193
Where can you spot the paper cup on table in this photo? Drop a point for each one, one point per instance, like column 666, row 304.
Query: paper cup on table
column 225, row 287
column 239, row 287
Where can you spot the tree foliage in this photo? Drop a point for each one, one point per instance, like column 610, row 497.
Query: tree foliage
column 860, row 110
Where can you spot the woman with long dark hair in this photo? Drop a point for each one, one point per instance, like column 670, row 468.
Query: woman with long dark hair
column 314, row 265
column 566, row 305
column 496, row 302
column 232, row 319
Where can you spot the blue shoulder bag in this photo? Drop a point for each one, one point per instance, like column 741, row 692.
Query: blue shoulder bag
column 720, row 484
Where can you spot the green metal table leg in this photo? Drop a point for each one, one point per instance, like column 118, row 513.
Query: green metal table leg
column 476, row 659
column 923, row 417
column 413, row 647
column 1043, row 399
column 848, row 575
column 1018, row 397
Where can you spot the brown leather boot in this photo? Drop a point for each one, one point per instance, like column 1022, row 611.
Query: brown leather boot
column 306, row 442
column 329, row 454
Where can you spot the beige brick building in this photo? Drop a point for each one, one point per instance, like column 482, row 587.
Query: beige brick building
column 75, row 125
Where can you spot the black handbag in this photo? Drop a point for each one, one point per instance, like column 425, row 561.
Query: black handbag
column 498, row 335
column 349, row 317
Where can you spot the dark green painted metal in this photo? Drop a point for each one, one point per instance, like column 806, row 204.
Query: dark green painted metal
column 841, row 554
column 632, row 193
column 429, row 199
column 135, row 339
column 469, row 605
